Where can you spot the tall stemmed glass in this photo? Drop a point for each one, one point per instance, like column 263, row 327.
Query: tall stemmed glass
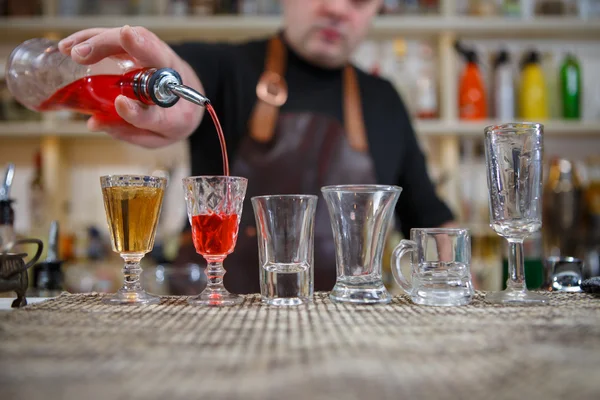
column 132, row 204
column 214, row 206
column 513, row 154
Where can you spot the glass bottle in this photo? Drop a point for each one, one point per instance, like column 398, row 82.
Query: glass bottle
column 562, row 209
column 41, row 78
column 37, row 194
column 7, row 213
column 570, row 78
column 425, row 86
column 592, row 213
column 533, row 98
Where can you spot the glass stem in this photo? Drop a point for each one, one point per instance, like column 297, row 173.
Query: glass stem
column 214, row 275
column 131, row 272
column 516, row 266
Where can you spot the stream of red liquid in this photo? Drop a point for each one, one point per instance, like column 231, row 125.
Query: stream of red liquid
column 213, row 115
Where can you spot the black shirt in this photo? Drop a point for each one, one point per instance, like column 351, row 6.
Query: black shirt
column 229, row 73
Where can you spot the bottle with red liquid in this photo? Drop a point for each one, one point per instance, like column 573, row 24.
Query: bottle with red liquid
column 41, row 78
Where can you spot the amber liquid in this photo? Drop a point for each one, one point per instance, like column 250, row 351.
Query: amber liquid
column 132, row 214
column 592, row 198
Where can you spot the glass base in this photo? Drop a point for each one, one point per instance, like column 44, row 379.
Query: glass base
column 442, row 297
column 285, row 301
column 126, row 297
column 216, row 298
column 363, row 294
column 517, row 297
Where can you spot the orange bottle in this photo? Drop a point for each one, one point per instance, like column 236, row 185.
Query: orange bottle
column 472, row 103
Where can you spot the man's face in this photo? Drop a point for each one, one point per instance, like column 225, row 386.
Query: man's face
column 326, row 32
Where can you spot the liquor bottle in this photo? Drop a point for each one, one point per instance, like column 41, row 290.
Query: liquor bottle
column 504, row 96
column 562, row 209
column 41, row 78
column 48, row 275
column 472, row 101
column 592, row 216
column 570, row 78
column 7, row 213
column 533, row 99
column 37, row 196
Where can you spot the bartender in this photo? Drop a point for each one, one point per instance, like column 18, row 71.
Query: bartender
column 296, row 116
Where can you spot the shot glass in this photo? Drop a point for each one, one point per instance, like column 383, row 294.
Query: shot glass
column 285, row 234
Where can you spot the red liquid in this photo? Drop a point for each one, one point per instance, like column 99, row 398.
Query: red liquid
column 214, row 234
column 213, row 115
column 93, row 95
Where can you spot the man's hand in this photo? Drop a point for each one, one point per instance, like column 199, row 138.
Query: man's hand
column 148, row 126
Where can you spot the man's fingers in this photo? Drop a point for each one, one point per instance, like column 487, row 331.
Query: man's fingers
column 139, row 137
column 93, row 125
column 153, row 117
column 92, row 45
column 66, row 44
column 146, row 47
column 97, row 47
column 125, row 132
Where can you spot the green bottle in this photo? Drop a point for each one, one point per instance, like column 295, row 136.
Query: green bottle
column 570, row 80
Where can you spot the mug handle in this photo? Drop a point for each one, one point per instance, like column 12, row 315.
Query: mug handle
column 38, row 253
column 404, row 247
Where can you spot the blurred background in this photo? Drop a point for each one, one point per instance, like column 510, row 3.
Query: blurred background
column 459, row 65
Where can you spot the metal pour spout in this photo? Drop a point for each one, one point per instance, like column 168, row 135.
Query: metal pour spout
column 164, row 88
column 187, row 93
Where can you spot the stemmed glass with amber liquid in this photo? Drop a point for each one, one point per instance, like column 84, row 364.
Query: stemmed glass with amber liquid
column 132, row 204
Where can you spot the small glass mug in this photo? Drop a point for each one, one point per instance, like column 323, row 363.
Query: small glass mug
column 285, row 233
column 440, row 266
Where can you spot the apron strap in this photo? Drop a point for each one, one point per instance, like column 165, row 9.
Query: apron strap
column 353, row 116
column 271, row 93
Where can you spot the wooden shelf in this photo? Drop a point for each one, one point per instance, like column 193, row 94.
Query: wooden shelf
column 471, row 129
column 46, row 128
column 233, row 28
column 556, row 27
column 423, row 128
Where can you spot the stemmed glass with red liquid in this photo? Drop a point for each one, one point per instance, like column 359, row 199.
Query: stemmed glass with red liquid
column 214, row 206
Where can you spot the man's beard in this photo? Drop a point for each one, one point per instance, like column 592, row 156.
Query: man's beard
column 330, row 60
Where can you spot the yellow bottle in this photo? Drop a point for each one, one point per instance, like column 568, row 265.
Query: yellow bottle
column 533, row 99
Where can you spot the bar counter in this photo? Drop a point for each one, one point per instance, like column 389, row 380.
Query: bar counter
column 74, row 347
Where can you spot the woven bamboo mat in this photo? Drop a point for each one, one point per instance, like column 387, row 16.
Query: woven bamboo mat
column 74, row 347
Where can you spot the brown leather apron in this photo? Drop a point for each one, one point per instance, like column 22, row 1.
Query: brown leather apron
column 296, row 153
